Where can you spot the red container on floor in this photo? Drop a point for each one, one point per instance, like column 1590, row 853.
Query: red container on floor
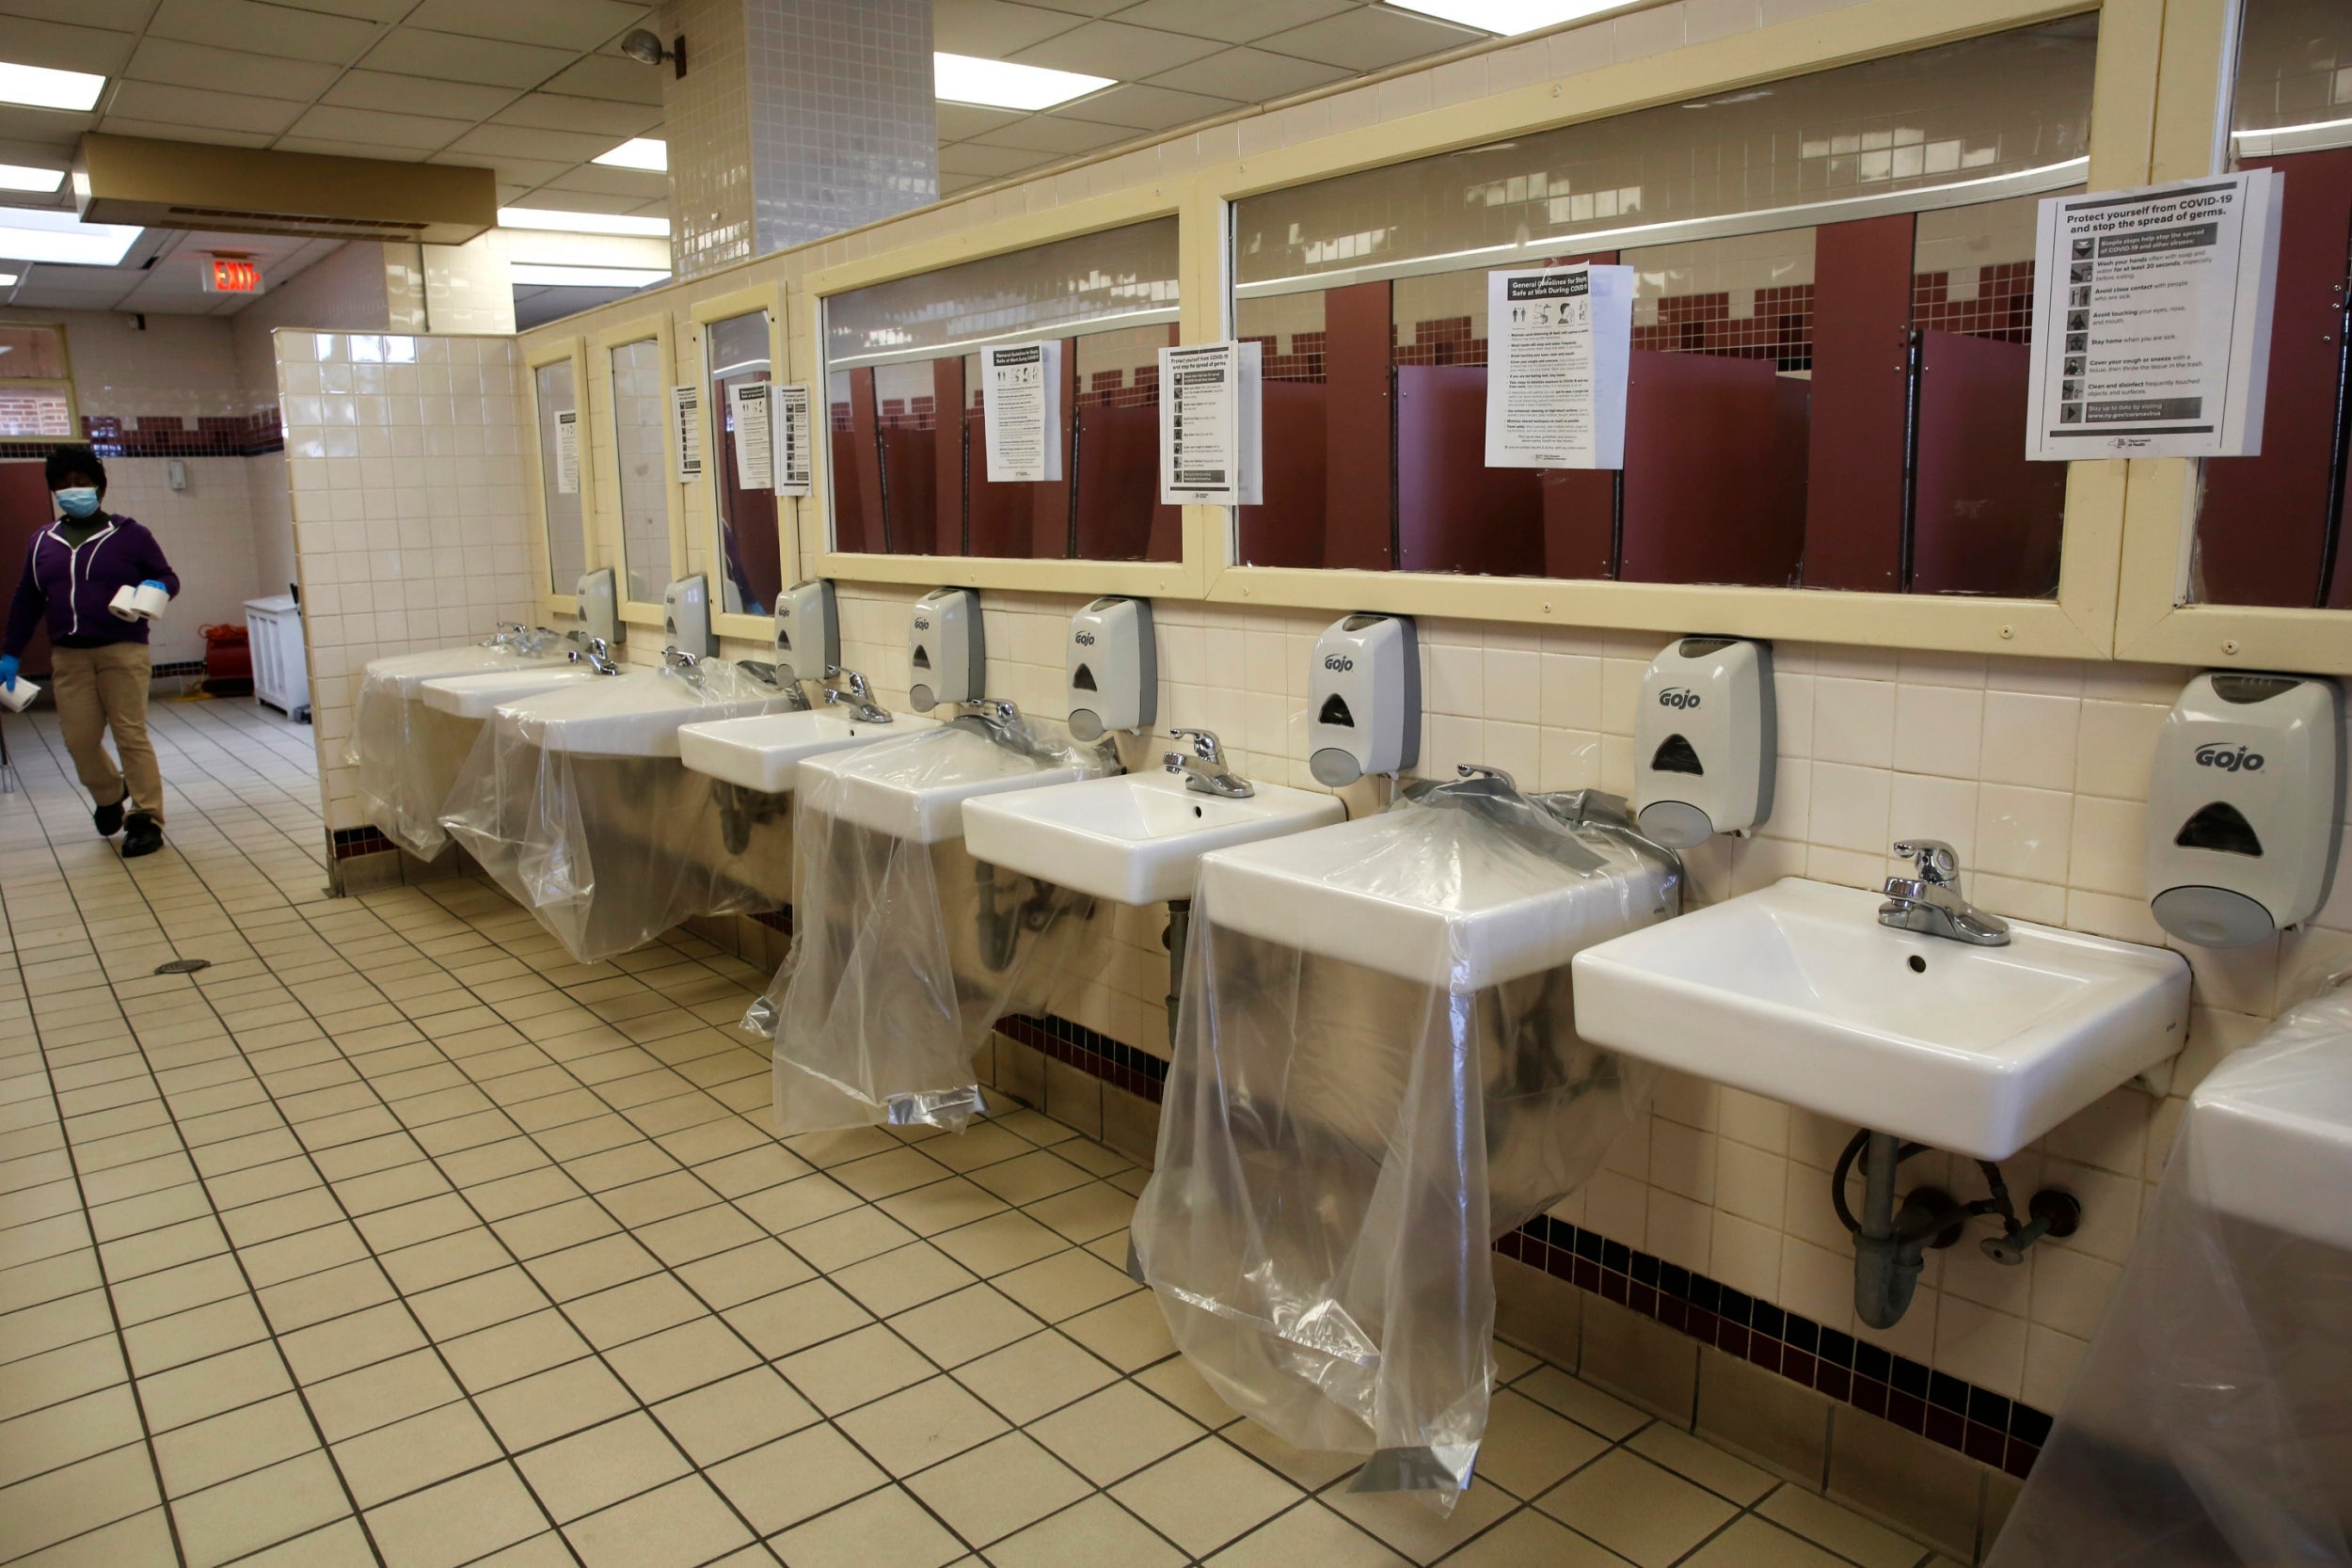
column 227, row 661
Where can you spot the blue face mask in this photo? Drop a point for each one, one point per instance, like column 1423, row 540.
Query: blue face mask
column 79, row 501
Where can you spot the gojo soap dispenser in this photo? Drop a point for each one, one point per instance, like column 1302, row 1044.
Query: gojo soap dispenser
column 1705, row 737
column 1114, row 669
column 945, row 651
column 807, row 631
column 2243, row 806
column 685, row 617
column 1364, row 713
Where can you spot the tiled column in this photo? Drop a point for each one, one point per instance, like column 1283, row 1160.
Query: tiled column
column 795, row 119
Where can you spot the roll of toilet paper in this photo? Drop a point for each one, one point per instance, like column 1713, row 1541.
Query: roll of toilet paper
column 18, row 697
column 142, row 603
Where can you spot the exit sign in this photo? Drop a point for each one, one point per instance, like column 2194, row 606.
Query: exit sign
column 228, row 276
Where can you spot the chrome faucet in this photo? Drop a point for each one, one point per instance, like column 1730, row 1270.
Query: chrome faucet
column 508, row 634
column 601, row 657
column 1930, row 901
column 686, row 664
column 858, row 691
column 1205, row 770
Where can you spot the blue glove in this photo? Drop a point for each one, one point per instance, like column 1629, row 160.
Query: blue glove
column 7, row 672
column 154, row 582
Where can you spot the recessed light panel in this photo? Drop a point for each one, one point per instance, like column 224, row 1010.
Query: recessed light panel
column 36, row 235
column 18, row 177
column 647, row 152
column 542, row 275
column 581, row 223
column 1507, row 16
column 37, row 87
column 1001, row 85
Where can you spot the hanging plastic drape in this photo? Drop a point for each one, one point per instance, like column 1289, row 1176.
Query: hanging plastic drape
column 610, row 851
column 1340, row 1145
column 905, row 954
column 408, row 754
column 2211, row 1421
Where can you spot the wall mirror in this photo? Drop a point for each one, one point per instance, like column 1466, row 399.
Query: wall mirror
column 908, row 435
column 736, row 352
column 641, row 448
column 2269, row 528
column 1834, row 286
column 562, row 469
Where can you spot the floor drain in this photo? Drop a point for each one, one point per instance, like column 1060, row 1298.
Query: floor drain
column 184, row 966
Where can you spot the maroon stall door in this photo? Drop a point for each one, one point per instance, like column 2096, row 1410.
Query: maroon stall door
column 1028, row 520
column 1702, row 449
column 1853, row 521
column 1453, row 514
column 1288, row 530
column 25, row 510
column 857, row 473
column 1984, row 520
column 947, row 399
column 1359, row 430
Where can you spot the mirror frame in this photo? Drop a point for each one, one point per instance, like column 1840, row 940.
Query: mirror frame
column 2153, row 622
column 1200, row 318
column 574, row 351
column 703, row 512
column 639, row 612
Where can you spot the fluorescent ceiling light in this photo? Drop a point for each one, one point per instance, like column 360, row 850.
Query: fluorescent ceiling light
column 18, row 177
column 585, row 277
column 8, row 280
column 650, row 152
column 1001, row 85
column 36, row 235
column 1507, row 16
column 581, row 223
column 2293, row 129
column 40, row 88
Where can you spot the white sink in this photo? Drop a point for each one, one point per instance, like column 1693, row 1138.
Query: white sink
column 639, row 712
column 2271, row 1134
column 1797, row 992
column 918, row 795
column 1133, row 839
column 405, row 672
column 765, row 752
column 1459, row 912
column 475, row 696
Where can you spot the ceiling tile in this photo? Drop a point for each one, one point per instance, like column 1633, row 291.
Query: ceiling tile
column 41, row 127
column 613, row 77
column 987, row 162
column 365, row 10
column 626, row 188
column 1146, row 108
column 65, row 48
column 1081, row 7
column 1256, row 74
column 199, row 110
column 950, row 183
column 993, row 29
column 1054, row 135
column 422, row 95
column 959, row 121
column 522, row 141
column 1232, row 21
column 1369, row 39
column 195, row 65
column 575, row 25
column 263, row 29
column 1115, row 50
column 411, row 133
column 575, row 191
column 174, row 130
column 122, row 16
column 448, row 57
column 528, row 173
column 599, row 116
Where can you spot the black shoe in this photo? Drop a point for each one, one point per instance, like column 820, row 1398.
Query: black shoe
column 142, row 836
column 109, row 819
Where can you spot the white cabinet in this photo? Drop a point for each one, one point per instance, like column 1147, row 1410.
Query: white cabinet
column 281, row 678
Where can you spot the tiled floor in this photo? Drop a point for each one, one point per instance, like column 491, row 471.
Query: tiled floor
column 393, row 1237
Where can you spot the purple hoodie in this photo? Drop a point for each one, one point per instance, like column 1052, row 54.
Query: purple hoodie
column 71, row 586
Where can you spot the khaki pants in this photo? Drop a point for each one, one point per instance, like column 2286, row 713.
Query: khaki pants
column 101, row 688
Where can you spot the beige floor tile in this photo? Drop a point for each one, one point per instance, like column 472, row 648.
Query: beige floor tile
column 982, row 1144
column 1530, row 1537
column 940, row 1206
column 378, row 1395
column 1000, row 1242
column 832, row 1244
column 1310, row 1469
column 1031, row 1376
column 803, row 1201
column 1113, row 1434
column 500, row 1296
column 347, row 1343
column 595, row 1468
column 1528, row 1449
column 67, row 1433
column 229, row 1445
column 906, row 1277
column 855, row 1369
column 1636, row 1508
column 916, row 1427
column 1312, row 1533
column 1840, row 1529
column 394, row 1460
column 1582, row 1403
column 1130, row 1333
column 734, row 1414
column 490, row 1357
column 1754, row 1542
column 1179, row 1382
column 679, row 1358
column 633, row 1310
column 457, row 1520
column 990, row 1491
column 331, row 1293
column 797, row 1318
column 1084, row 1214
column 1695, row 1460
column 136, row 1542
column 781, row 1483
column 681, row 1523
column 59, row 1504
column 254, row 1510
column 744, row 1274
column 1095, row 1533
column 1206, row 1495
column 878, row 1176
column 191, row 1335
column 1407, row 1522
column 1065, row 1285
column 882, row 1530
column 540, row 1408
column 207, row 1387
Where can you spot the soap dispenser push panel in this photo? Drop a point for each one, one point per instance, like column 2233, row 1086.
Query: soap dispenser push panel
column 946, row 651
column 1364, row 699
column 2242, row 807
column 1114, row 669
column 1705, row 737
column 686, row 617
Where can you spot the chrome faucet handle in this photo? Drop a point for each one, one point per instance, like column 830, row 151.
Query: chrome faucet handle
column 1480, row 771
column 1937, row 862
column 600, row 655
column 1206, row 744
column 678, row 658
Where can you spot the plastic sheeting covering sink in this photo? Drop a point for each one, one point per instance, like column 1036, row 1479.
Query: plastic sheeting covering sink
column 764, row 753
column 926, row 805
column 2206, row 1423
column 1347, row 1129
column 476, row 696
column 1796, row 991
column 639, row 712
column 408, row 754
column 1135, row 839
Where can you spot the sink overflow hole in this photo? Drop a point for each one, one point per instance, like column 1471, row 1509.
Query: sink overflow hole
column 1195, row 811
column 1918, row 964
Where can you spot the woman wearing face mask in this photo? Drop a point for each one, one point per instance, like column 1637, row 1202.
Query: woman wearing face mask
column 99, row 667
